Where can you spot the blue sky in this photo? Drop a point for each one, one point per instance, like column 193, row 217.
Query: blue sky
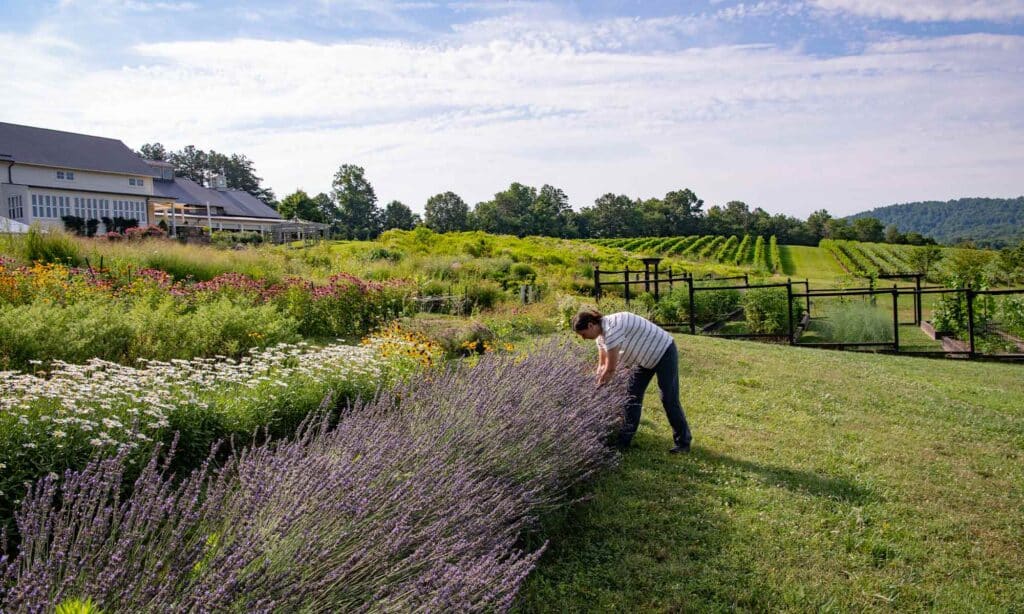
column 791, row 106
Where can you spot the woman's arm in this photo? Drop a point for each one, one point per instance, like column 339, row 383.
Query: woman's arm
column 610, row 363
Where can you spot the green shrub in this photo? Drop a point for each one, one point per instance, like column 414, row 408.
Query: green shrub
column 522, row 272
column 1012, row 310
column 121, row 331
column 383, row 253
column 712, row 305
column 484, row 295
column 766, row 310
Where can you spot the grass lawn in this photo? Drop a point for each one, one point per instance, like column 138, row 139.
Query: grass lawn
column 819, row 481
column 813, row 263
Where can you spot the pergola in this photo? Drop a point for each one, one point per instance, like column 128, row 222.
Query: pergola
column 299, row 230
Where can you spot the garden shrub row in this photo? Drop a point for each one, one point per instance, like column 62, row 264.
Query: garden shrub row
column 419, row 500
column 727, row 251
column 760, row 255
column 743, row 251
column 776, row 256
column 53, row 312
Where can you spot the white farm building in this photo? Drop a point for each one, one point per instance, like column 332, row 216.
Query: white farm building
column 48, row 174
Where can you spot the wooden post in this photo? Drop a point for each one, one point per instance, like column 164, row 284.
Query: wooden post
column 647, row 278
column 597, row 283
column 746, row 279
column 693, row 311
column 657, row 279
column 669, row 279
column 789, row 310
column 895, row 318
column 625, row 277
column 807, row 290
column 970, row 320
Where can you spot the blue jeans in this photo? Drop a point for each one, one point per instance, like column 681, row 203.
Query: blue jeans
column 667, row 371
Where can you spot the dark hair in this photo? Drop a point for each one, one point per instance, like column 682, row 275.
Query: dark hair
column 585, row 318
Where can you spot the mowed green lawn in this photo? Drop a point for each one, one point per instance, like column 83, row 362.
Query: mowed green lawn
column 813, row 263
column 819, row 481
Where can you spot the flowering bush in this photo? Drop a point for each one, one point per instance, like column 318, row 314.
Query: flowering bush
column 49, row 422
column 145, row 313
column 415, row 501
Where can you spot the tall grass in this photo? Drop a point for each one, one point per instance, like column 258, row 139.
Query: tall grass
column 858, row 322
column 51, row 246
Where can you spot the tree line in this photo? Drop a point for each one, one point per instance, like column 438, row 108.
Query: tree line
column 985, row 222
column 352, row 209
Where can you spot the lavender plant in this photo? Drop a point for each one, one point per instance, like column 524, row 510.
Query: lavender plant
column 58, row 420
column 413, row 501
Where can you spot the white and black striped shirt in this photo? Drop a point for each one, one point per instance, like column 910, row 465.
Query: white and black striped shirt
column 640, row 341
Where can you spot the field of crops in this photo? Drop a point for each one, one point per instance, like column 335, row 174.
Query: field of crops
column 749, row 251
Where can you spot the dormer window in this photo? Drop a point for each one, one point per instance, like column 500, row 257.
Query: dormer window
column 66, row 175
column 136, row 181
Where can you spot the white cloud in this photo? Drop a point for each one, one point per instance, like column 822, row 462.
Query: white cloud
column 905, row 120
column 929, row 10
column 122, row 6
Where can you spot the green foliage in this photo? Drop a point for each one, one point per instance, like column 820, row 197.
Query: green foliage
column 965, row 269
column 299, row 205
column 358, row 216
column 225, row 238
column 484, row 295
column 712, row 305
column 50, row 246
column 858, row 321
column 77, row 606
column 398, row 215
column 121, row 331
column 766, row 310
column 446, row 212
column 198, row 165
column 988, row 222
column 775, row 256
column 1012, row 312
column 761, row 255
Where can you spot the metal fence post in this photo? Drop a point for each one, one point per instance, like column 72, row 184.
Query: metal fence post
column 693, row 310
column 970, row 320
column 746, row 279
column 789, row 310
column 895, row 318
column 917, row 300
column 807, row 289
column 625, row 277
column 597, row 283
column 657, row 282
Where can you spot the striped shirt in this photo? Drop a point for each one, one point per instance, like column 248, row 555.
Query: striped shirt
column 640, row 341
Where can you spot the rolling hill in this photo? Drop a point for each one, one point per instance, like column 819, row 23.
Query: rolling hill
column 989, row 222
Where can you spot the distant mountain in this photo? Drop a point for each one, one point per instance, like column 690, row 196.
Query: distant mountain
column 989, row 222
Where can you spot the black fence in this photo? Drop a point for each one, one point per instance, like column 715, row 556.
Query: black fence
column 654, row 282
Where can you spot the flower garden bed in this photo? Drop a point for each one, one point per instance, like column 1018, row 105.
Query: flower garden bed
column 418, row 500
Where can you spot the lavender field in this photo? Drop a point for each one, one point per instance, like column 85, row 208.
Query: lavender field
column 426, row 497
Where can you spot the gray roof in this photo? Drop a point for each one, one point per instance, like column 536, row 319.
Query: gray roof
column 45, row 147
column 235, row 202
